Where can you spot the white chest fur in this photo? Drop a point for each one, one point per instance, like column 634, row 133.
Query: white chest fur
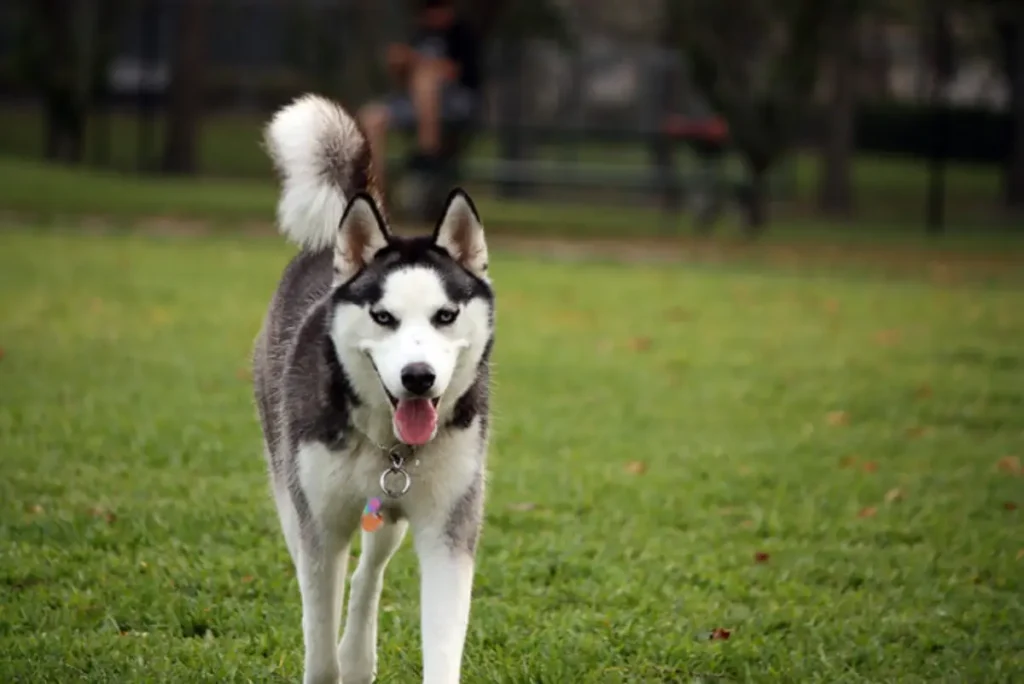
column 338, row 483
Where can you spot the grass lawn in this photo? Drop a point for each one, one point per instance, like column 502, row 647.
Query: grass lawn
column 887, row 189
column 825, row 466
column 49, row 194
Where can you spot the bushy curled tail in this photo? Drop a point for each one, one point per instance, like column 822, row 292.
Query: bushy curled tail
column 322, row 158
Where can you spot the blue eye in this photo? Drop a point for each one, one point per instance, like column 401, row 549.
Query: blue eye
column 383, row 318
column 445, row 316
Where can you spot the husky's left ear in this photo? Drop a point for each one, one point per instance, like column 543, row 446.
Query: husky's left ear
column 460, row 233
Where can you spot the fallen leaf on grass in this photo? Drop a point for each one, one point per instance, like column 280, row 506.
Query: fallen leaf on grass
column 741, row 293
column 523, row 506
column 837, row 418
column 677, row 313
column 98, row 512
column 720, row 634
column 888, row 338
column 761, row 557
column 640, row 344
column 159, row 316
column 893, row 495
column 37, row 509
column 1009, row 464
column 636, row 467
column 1010, row 506
column 868, row 512
column 246, row 579
column 870, row 467
column 917, row 431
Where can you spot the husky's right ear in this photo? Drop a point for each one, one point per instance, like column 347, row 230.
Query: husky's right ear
column 361, row 235
column 460, row 233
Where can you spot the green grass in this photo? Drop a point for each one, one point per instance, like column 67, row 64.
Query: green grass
column 49, row 193
column 848, row 426
column 886, row 189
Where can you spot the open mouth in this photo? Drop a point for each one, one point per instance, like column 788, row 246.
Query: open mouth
column 414, row 418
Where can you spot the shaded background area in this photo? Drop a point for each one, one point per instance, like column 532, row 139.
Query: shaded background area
column 908, row 112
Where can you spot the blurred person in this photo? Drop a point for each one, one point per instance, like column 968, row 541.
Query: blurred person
column 438, row 72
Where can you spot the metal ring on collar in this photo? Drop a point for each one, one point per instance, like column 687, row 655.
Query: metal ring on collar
column 395, row 493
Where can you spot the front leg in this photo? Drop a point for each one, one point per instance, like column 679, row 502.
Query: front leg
column 321, row 569
column 446, row 554
column 357, row 652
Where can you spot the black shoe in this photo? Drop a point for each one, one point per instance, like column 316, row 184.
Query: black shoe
column 420, row 162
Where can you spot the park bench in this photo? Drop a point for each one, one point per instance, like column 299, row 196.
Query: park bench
column 517, row 175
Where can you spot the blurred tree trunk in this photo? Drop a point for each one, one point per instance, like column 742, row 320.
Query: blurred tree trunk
column 1010, row 29
column 58, row 69
column 185, row 96
column 757, row 66
column 835, row 194
column 939, row 49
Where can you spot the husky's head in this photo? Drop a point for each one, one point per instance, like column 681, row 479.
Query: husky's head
column 412, row 318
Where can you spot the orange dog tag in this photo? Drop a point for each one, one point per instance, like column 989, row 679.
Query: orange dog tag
column 372, row 519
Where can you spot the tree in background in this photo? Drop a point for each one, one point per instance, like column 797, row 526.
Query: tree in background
column 63, row 50
column 185, row 96
column 1008, row 17
column 757, row 64
column 55, row 41
column 843, row 59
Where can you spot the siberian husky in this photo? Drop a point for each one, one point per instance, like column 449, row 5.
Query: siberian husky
column 371, row 381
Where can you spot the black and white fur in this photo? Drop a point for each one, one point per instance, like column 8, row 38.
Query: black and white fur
column 327, row 373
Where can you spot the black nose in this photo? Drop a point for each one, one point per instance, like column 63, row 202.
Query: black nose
column 418, row 378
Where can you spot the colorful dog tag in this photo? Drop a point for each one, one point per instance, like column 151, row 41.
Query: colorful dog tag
column 372, row 519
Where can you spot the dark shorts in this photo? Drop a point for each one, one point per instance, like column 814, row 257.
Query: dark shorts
column 457, row 104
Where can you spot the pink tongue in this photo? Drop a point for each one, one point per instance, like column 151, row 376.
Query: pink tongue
column 416, row 420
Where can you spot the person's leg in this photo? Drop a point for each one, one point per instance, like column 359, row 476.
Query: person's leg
column 426, row 87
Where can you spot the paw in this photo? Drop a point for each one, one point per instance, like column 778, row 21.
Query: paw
column 321, row 676
column 358, row 675
column 357, row 668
